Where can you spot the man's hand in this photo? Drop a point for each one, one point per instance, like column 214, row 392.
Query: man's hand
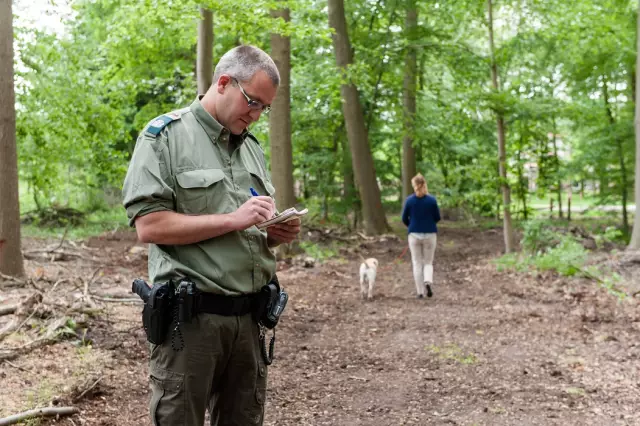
column 283, row 232
column 255, row 210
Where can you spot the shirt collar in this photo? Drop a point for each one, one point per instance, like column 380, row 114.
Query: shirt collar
column 211, row 126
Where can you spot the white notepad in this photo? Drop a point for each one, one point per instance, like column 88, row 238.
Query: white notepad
column 284, row 216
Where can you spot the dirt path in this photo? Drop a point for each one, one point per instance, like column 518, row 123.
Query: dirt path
column 489, row 348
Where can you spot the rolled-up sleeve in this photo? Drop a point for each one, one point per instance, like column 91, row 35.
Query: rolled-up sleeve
column 148, row 186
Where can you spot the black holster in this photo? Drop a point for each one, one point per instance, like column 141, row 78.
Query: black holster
column 271, row 304
column 158, row 306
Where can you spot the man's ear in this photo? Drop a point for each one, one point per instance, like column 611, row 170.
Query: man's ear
column 223, row 82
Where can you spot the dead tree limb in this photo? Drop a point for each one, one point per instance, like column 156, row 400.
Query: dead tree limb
column 117, row 299
column 50, row 337
column 85, row 391
column 12, row 281
column 86, row 293
column 8, row 309
column 37, row 413
column 64, row 237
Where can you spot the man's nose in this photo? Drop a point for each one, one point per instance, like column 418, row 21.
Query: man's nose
column 255, row 114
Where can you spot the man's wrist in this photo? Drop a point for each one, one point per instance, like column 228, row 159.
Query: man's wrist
column 271, row 243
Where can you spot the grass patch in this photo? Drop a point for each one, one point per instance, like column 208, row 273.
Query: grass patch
column 453, row 352
column 94, row 223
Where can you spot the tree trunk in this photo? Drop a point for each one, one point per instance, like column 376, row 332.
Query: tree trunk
column 375, row 221
column 635, row 236
column 280, row 119
column 10, row 248
column 556, row 161
column 624, row 190
column 502, row 162
column 205, row 50
column 409, row 101
column 522, row 187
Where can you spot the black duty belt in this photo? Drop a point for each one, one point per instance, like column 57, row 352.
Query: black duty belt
column 218, row 304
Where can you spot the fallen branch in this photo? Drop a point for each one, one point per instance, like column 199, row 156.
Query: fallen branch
column 8, row 309
column 9, row 329
column 37, row 413
column 19, row 309
column 64, row 236
column 117, row 299
column 17, row 282
column 18, row 367
column 84, row 392
column 86, row 295
column 600, row 281
column 50, row 337
column 29, row 254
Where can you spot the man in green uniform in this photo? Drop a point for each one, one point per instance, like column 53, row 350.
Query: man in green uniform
column 188, row 193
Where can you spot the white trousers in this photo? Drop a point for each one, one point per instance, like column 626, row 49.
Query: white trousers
column 423, row 248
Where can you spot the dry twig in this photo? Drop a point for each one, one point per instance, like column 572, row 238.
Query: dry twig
column 12, row 281
column 38, row 412
column 84, row 392
column 8, row 309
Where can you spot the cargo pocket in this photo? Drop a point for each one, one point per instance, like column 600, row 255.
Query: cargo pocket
column 198, row 189
column 263, row 186
column 261, row 383
column 167, row 399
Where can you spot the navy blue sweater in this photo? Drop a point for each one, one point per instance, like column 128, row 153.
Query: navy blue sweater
column 421, row 214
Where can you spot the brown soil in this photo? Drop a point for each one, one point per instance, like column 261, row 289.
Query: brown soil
column 490, row 348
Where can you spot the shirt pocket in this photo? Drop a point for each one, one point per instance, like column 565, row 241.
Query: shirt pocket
column 261, row 184
column 200, row 191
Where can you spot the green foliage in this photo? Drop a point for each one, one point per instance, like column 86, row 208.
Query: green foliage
column 317, row 251
column 567, row 258
column 94, row 223
column 611, row 235
column 564, row 69
column 537, row 235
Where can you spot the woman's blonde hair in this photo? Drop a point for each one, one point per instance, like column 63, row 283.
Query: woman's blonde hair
column 419, row 185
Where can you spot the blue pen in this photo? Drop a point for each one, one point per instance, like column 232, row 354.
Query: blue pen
column 253, row 192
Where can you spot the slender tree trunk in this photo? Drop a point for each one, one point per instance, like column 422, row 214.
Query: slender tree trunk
column 522, row 187
column 502, row 160
column 624, row 190
column 409, row 101
column 635, row 236
column 375, row 221
column 556, row 161
column 280, row 118
column 204, row 61
column 10, row 248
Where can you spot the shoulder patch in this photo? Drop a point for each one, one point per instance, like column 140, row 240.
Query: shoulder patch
column 250, row 135
column 159, row 123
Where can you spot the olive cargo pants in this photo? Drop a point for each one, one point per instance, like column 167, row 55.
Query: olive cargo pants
column 220, row 367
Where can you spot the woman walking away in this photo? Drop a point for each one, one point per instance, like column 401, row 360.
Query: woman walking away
column 420, row 215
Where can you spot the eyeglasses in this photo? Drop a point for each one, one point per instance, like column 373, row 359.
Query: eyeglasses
column 251, row 103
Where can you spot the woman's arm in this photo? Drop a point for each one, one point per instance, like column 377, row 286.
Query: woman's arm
column 405, row 213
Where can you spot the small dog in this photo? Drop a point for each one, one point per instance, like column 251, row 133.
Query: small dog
column 368, row 270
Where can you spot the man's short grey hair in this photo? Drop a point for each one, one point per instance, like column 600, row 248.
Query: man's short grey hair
column 243, row 62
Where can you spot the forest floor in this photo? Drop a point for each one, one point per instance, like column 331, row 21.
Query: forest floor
column 490, row 348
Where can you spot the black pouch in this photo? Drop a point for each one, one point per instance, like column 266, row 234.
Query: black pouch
column 158, row 305
column 272, row 302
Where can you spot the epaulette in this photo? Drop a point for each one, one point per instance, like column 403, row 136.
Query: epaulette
column 250, row 135
column 160, row 123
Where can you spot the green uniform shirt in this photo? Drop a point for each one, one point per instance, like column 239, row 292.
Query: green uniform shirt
column 182, row 162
